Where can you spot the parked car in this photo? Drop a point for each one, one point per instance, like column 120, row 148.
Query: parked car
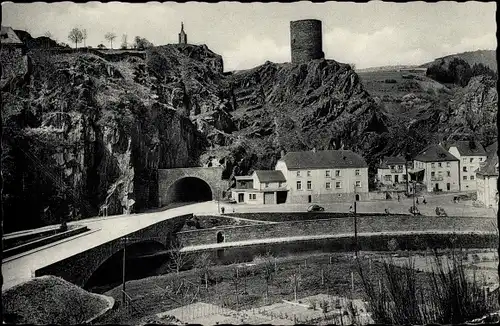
column 232, row 201
column 440, row 211
column 315, row 208
column 414, row 210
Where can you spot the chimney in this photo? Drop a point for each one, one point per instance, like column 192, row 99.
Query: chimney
column 282, row 153
column 314, row 150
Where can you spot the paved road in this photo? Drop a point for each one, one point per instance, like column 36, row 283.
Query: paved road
column 20, row 268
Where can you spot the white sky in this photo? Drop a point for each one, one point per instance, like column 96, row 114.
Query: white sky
column 246, row 35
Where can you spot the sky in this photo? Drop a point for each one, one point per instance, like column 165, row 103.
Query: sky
column 248, row 34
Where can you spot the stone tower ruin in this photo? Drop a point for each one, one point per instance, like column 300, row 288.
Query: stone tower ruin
column 306, row 40
column 182, row 36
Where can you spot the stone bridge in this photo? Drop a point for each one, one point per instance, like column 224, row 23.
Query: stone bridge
column 79, row 268
column 190, row 185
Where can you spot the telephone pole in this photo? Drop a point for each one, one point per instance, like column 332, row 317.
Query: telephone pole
column 355, row 223
column 123, row 269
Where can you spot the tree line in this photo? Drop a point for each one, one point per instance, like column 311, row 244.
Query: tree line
column 458, row 72
column 78, row 36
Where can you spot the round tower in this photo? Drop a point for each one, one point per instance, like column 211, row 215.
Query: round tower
column 306, row 40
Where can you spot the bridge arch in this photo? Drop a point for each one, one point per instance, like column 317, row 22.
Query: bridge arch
column 109, row 271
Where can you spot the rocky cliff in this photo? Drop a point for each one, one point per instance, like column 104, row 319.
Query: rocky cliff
column 90, row 130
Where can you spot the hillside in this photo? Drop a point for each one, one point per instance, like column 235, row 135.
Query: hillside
column 486, row 57
column 90, row 130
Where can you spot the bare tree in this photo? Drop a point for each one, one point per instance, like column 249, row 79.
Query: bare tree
column 75, row 36
column 84, row 37
column 124, row 41
column 269, row 270
column 110, row 37
column 204, row 263
column 178, row 258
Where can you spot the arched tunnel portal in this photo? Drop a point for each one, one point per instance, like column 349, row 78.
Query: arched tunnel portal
column 189, row 189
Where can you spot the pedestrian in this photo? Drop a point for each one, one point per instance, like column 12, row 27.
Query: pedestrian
column 417, row 200
column 350, row 209
column 424, row 201
column 233, row 209
column 399, row 197
column 222, row 209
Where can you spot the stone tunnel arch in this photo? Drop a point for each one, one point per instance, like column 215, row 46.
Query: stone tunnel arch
column 189, row 189
column 109, row 273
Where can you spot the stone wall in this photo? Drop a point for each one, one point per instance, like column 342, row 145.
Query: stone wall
column 306, row 40
column 345, row 226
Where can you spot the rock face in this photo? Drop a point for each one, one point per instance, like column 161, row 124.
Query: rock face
column 87, row 132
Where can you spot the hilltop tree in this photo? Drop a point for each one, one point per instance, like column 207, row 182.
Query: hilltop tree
column 84, row 37
column 142, row 43
column 110, row 37
column 75, row 36
column 124, row 42
column 479, row 69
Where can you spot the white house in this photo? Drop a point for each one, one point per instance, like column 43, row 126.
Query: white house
column 487, row 178
column 324, row 176
column 262, row 187
column 471, row 155
column 439, row 168
column 392, row 171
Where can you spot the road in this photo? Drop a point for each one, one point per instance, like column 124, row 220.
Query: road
column 19, row 268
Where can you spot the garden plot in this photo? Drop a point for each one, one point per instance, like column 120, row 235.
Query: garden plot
column 317, row 309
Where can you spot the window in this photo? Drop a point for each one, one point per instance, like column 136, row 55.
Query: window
column 432, row 174
column 280, row 184
column 299, row 185
column 465, row 177
column 309, row 185
column 253, row 196
column 400, row 167
column 327, row 173
column 480, row 159
column 328, row 185
column 448, row 164
column 433, row 165
column 472, row 177
column 387, row 177
column 266, row 184
column 338, row 185
column 440, row 173
column 464, row 160
column 440, row 165
column 448, row 173
column 298, row 173
column 464, row 169
column 471, row 159
column 308, row 173
column 404, row 177
column 337, row 173
column 358, row 184
column 356, row 172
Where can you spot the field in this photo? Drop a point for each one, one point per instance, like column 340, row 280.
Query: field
column 239, row 293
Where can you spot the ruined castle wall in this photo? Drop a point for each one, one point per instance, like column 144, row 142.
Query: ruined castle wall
column 306, row 40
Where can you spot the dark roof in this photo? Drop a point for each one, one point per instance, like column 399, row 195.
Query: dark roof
column 392, row 160
column 489, row 168
column 435, row 153
column 8, row 36
column 323, row 160
column 270, row 176
column 492, row 149
column 467, row 148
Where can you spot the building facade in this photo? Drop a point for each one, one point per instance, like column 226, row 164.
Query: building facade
column 487, row 181
column 392, row 171
column 471, row 155
column 262, row 187
column 440, row 169
column 324, row 176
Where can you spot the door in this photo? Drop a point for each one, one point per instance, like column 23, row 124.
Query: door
column 269, row 198
column 437, row 186
column 448, row 186
column 241, row 198
column 396, row 179
column 357, row 197
column 309, row 198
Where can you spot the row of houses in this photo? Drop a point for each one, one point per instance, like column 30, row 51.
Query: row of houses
column 462, row 166
column 342, row 175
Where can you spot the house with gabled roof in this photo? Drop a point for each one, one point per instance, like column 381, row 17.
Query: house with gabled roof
column 9, row 38
column 392, row 171
column 487, row 180
column 439, row 169
column 324, row 176
column 470, row 155
column 262, row 187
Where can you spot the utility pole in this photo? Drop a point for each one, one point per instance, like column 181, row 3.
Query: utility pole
column 218, row 200
column 123, row 270
column 414, row 191
column 355, row 224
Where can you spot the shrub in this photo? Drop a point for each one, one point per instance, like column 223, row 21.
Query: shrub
column 390, row 81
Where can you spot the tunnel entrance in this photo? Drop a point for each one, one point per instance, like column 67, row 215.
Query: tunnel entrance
column 189, row 189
